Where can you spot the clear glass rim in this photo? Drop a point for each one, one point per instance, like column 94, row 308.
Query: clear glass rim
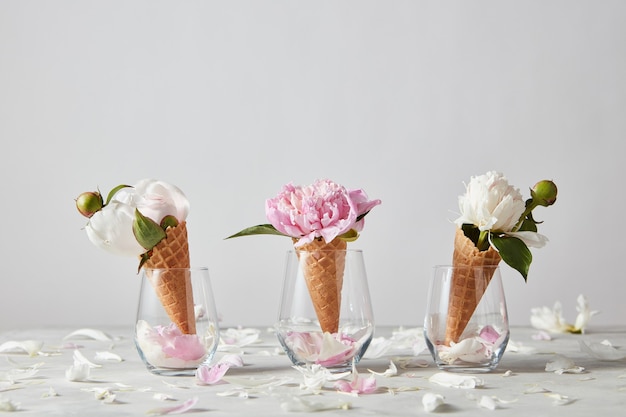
column 193, row 268
column 325, row 250
column 444, row 266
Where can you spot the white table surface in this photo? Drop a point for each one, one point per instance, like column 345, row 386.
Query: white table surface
column 600, row 390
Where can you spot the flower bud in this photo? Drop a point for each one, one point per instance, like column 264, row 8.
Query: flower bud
column 544, row 193
column 89, row 203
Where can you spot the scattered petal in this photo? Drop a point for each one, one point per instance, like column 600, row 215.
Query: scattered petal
column 238, row 337
column 518, row 347
column 163, row 397
column 456, row 381
column 8, row 405
column 603, row 351
column 89, row 334
column 31, row 347
column 108, row 357
column 508, row 373
column 432, row 401
column 561, row 365
column 179, row 409
column 408, row 363
column 395, row 390
column 235, row 361
column 257, row 383
column 50, row 393
column 241, row 393
column 541, row 335
column 299, row 404
column 79, row 358
column 78, row 372
column 16, row 374
column 179, row 385
column 389, row 372
column 102, row 394
column 536, row 389
column 209, row 375
column 487, row 402
column 559, row 399
column 316, row 376
column 357, row 385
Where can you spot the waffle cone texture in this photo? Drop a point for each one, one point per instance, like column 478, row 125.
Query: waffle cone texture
column 469, row 283
column 174, row 287
column 323, row 266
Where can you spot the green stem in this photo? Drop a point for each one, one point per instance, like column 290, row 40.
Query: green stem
column 483, row 240
column 529, row 208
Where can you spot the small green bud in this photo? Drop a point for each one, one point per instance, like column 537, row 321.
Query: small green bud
column 544, row 193
column 89, row 203
column 169, row 221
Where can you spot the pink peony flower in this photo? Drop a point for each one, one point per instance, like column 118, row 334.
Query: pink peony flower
column 324, row 209
column 174, row 343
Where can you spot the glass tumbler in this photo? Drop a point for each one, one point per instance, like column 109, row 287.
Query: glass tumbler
column 177, row 326
column 466, row 325
column 325, row 314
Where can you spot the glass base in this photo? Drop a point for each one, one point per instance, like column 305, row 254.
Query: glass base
column 483, row 361
column 335, row 352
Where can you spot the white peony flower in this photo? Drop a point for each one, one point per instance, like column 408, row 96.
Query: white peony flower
column 155, row 199
column 490, row 203
column 112, row 229
column 551, row 320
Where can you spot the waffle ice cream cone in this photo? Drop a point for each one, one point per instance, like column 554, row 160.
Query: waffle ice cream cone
column 174, row 287
column 468, row 284
column 323, row 266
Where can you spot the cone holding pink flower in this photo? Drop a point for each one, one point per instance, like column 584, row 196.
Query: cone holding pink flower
column 472, row 273
column 323, row 267
column 173, row 284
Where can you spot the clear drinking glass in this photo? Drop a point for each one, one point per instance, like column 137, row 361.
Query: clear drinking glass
column 177, row 327
column 336, row 332
column 466, row 325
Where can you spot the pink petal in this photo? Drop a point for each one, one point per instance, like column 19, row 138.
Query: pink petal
column 179, row 409
column 209, row 375
column 186, row 347
column 489, row 334
column 367, row 385
column 235, row 361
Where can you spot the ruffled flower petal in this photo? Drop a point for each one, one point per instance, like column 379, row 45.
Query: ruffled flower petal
column 209, row 375
column 179, row 409
column 432, row 401
column 456, row 381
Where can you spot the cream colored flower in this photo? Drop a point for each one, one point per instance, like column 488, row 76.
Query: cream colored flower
column 490, row 203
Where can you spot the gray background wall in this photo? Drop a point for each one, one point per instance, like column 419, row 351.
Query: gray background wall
column 231, row 99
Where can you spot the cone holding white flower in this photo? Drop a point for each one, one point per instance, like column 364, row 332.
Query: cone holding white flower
column 495, row 224
column 320, row 218
column 147, row 221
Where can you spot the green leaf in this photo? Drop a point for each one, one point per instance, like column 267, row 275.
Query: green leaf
column 514, row 252
column 528, row 225
column 350, row 236
column 115, row 190
column 261, row 229
column 147, row 232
